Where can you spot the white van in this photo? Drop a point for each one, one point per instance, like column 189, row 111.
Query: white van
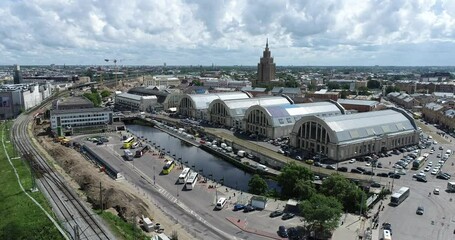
column 220, row 204
column 261, row 167
column 449, row 152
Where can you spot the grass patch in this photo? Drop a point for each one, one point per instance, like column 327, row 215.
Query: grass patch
column 121, row 228
column 20, row 217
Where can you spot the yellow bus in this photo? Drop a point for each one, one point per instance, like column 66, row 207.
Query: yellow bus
column 128, row 142
column 168, row 166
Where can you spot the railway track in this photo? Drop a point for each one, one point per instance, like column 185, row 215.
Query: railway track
column 79, row 222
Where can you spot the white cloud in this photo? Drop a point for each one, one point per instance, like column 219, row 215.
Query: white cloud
column 300, row 32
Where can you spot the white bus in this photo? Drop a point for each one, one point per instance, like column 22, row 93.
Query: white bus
column 191, row 181
column 399, row 196
column 184, row 175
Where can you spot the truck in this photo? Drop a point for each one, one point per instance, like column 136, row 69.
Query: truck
column 141, row 152
column 451, row 187
column 241, row 153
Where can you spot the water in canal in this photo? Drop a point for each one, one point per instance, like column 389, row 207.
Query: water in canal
column 197, row 159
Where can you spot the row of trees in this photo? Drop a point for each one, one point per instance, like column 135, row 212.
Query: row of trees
column 95, row 97
column 320, row 208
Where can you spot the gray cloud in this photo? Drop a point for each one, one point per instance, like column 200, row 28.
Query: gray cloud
column 227, row 32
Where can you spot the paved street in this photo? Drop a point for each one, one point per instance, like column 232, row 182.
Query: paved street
column 199, row 202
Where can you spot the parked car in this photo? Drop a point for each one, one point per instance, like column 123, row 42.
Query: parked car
column 330, row 167
column 343, row 169
column 421, row 178
column 248, row 208
column 238, row 207
column 287, row 216
column 395, row 175
column 382, row 174
column 309, row 161
column 361, row 169
column 282, row 232
column 276, row 213
column 375, row 185
column 369, row 173
column 317, row 164
column 352, row 160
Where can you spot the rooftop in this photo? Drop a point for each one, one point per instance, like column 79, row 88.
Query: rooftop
column 81, row 110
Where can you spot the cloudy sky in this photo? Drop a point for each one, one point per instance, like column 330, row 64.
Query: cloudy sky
column 193, row 32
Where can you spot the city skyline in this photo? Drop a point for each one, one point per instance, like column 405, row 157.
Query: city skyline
column 300, row 33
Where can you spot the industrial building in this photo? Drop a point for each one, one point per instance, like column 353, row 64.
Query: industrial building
column 196, row 105
column 15, row 98
column 230, row 113
column 278, row 120
column 85, row 120
column 358, row 105
column 348, row 136
column 135, row 103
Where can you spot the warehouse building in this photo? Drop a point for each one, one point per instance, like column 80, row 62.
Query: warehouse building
column 86, row 120
column 196, row 105
column 278, row 120
column 353, row 135
column 135, row 103
column 230, row 113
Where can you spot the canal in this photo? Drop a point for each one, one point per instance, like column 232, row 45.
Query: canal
column 197, row 159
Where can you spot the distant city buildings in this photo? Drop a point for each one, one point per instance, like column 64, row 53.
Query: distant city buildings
column 16, row 98
column 17, row 77
column 266, row 68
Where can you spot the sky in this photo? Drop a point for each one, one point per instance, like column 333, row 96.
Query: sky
column 206, row 32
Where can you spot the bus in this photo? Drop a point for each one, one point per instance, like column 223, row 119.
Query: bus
column 127, row 143
column 191, row 181
column 168, row 166
column 128, row 155
column 399, row 196
column 418, row 163
column 184, row 175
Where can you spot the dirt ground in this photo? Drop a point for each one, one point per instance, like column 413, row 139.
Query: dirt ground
column 119, row 196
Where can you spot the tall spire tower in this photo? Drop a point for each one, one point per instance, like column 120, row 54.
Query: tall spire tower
column 266, row 67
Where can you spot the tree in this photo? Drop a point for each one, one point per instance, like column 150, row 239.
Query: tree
column 321, row 213
column 333, row 85
column 290, row 175
column 373, row 84
column 95, row 98
column 351, row 196
column 257, row 185
column 343, row 94
column 105, row 94
column 390, row 89
column 363, row 90
column 304, row 189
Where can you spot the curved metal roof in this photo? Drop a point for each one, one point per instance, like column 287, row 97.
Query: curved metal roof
column 238, row 107
column 202, row 101
column 364, row 125
column 287, row 114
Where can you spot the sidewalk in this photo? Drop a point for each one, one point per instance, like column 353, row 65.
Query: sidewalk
column 244, row 227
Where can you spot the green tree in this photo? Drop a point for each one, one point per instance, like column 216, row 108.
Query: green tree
column 321, row 213
column 363, row 90
column 343, row 94
column 257, row 185
column 347, row 192
column 373, row 84
column 105, row 93
column 390, row 89
column 311, row 87
column 290, row 174
column 304, row 189
column 95, row 98
column 198, row 83
column 333, row 85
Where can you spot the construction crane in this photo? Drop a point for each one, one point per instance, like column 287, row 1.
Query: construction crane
column 115, row 64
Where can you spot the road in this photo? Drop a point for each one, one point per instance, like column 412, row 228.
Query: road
column 438, row 220
column 193, row 209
